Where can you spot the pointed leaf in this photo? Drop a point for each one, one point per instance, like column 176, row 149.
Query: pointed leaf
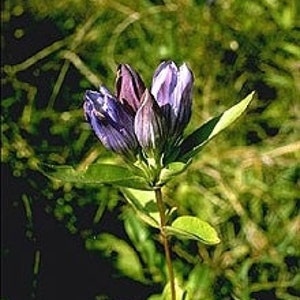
column 188, row 227
column 171, row 170
column 195, row 141
column 144, row 204
column 97, row 174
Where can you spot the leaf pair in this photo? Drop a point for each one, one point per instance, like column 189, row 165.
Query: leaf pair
column 183, row 227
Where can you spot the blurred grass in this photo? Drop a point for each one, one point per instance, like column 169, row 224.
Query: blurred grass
column 245, row 183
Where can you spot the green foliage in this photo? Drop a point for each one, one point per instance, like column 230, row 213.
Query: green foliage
column 201, row 136
column 144, row 205
column 132, row 176
column 189, row 227
column 126, row 259
column 245, row 183
column 98, row 174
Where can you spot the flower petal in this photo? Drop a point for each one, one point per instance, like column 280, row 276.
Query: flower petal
column 164, row 82
column 110, row 121
column 182, row 99
column 149, row 124
column 172, row 88
column 129, row 86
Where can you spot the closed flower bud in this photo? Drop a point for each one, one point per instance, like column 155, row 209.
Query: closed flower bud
column 110, row 121
column 139, row 121
column 149, row 124
column 129, row 87
column 172, row 89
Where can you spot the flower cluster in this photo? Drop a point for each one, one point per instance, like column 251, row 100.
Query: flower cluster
column 138, row 120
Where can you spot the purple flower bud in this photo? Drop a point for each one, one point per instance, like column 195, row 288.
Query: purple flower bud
column 172, row 89
column 149, row 124
column 136, row 120
column 111, row 122
column 129, row 87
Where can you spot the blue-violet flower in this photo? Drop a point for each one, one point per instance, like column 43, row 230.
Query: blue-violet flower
column 136, row 120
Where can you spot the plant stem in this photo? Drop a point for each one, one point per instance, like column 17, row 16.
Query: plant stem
column 161, row 209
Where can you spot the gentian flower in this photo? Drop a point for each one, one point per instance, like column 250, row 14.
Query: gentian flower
column 137, row 120
column 172, row 89
column 129, row 87
column 149, row 124
column 111, row 122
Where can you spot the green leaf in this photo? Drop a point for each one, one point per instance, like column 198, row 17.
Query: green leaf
column 98, row 174
column 195, row 141
column 171, row 170
column 188, row 227
column 126, row 259
column 144, row 204
column 140, row 236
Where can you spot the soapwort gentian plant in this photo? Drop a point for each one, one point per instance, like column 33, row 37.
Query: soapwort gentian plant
column 146, row 127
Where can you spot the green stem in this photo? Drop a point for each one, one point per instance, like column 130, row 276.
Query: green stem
column 161, row 209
